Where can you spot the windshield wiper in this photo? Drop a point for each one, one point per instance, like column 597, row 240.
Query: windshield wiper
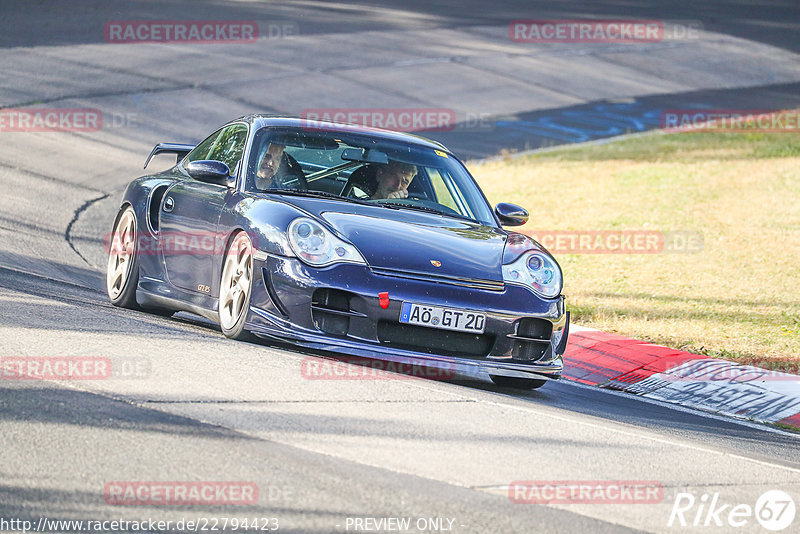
column 390, row 205
column 317, row 194
column 426, row 209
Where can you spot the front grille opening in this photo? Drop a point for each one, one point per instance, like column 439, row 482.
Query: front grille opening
column 488, row 285
column 531, row 328
column 529, row 351
column 434, row 340
column 332, row 299
column 532, row 340
column 329, row 311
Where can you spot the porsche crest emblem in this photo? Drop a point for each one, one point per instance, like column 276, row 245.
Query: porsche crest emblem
column 436, row 263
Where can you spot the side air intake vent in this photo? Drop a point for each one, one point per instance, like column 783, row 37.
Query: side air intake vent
column 330, row 310
column 155, row 206
column 532, row 340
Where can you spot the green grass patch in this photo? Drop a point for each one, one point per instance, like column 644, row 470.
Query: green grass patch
column 737, row 297
column 684, row 146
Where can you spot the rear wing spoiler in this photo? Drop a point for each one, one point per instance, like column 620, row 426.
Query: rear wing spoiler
column 169, row 148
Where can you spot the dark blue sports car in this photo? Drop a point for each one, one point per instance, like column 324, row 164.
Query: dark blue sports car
column 336, row 237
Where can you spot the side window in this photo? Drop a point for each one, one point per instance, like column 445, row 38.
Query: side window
column 229, row 146
column 448, row 193
column 201, row 151
column 443, row 195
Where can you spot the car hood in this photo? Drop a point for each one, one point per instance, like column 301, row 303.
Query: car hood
column 408, row 241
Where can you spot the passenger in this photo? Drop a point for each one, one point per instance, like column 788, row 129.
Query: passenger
column 393, row 180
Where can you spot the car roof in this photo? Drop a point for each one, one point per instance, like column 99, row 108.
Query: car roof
column 263, row 120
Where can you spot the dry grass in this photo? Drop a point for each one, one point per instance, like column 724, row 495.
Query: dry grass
column 739, row 298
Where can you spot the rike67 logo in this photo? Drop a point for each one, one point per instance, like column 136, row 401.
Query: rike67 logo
column 774, row 510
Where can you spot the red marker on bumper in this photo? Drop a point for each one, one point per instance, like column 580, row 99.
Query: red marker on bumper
column 383, row 299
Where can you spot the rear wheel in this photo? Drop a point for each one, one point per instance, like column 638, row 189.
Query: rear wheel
column 122, row 272
column 235, row 287
column 517, row 383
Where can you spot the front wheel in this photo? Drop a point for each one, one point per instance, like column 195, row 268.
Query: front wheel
column 236, row 286
column 517, row 383
column 122, row 271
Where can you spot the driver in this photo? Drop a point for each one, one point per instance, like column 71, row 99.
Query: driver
column 393, row 180
column 275, row 170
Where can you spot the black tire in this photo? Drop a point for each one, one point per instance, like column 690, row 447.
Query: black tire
column 231, row 328
column 122, row 270
column 517, row 383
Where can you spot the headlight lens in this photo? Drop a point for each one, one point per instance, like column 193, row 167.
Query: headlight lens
column 317, row 246
column 536, row 270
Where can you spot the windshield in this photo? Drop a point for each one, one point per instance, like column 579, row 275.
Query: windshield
column 357, row 167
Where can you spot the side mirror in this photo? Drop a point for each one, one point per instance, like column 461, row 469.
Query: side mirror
column 211, row 172
column 510, row 214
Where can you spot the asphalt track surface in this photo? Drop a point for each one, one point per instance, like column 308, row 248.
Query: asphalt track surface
column 203, row 408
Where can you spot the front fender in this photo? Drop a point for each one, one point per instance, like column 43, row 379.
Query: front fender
column 264, row 219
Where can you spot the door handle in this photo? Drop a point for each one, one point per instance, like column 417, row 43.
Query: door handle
column 169, row 204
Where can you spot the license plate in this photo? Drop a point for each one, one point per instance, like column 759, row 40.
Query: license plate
column 445, row 318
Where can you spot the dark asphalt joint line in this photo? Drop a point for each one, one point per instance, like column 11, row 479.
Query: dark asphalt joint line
column 60, row 296
column 68, row 232
column 240, row 100
column 268, row 402
column 106, row 68
column 177, row 326
column 100, row 94
column 139, row 91
column 48, row 178
column 19, row 272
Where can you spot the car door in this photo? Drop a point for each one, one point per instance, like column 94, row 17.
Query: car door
column 190, row 213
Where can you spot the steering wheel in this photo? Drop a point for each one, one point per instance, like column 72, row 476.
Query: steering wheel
column 289, row 181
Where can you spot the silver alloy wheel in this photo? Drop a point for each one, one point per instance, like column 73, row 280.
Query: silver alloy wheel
column 237, row 277
column 121, row 254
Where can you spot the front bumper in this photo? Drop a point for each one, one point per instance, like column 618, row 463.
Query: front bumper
column 337, row 309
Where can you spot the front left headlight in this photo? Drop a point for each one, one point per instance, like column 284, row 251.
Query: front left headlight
column 536, row 270
column 317, row 246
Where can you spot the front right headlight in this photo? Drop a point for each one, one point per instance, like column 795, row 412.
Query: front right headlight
column 317, row 246
column 536, row 270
